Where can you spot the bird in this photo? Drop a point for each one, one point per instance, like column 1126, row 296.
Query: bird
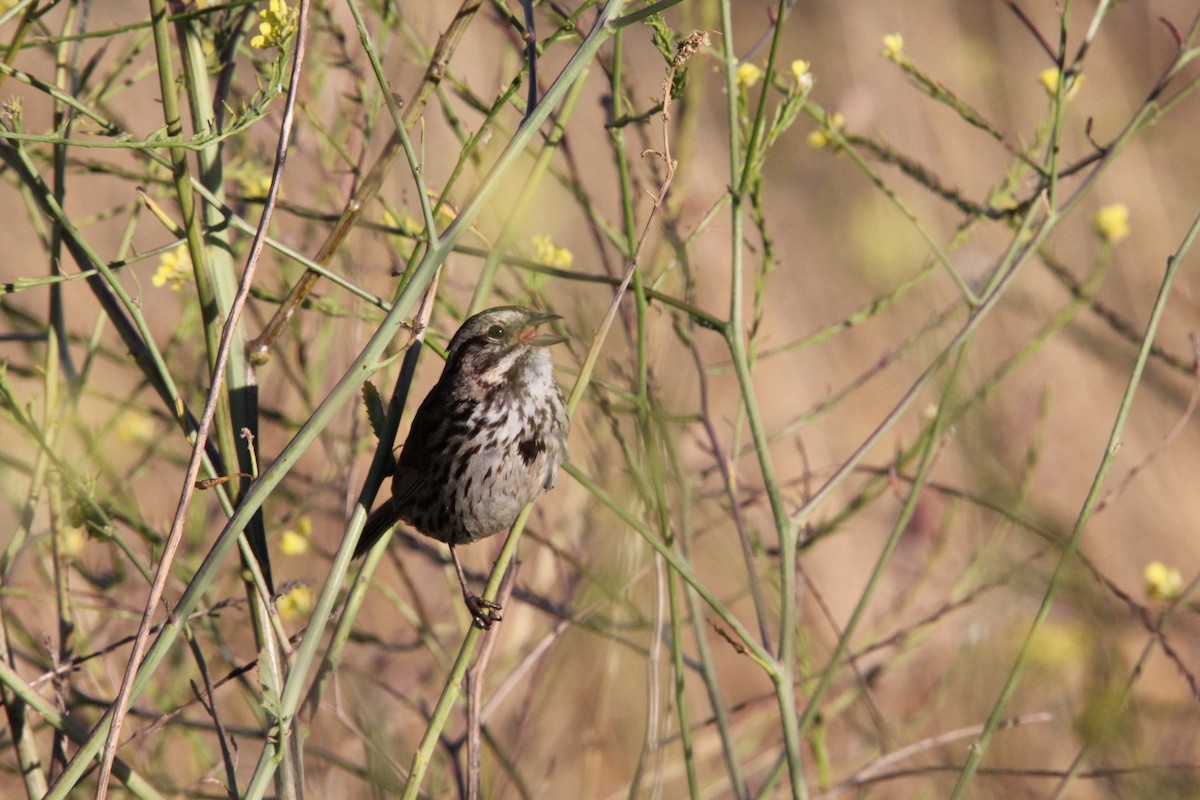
column 484, row 443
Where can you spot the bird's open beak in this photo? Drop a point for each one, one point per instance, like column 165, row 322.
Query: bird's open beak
column 530, row 333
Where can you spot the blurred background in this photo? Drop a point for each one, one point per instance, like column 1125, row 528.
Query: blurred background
column 911, row 128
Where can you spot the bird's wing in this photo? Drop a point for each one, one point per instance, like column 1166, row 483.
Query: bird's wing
column 416, row 462
column 407, row 482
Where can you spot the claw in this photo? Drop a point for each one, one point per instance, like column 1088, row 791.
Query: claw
column 483, row 612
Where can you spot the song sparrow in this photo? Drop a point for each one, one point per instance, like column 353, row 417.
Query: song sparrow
column 486, row 440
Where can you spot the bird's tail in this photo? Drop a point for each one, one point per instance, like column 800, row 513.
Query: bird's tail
column 378, row 523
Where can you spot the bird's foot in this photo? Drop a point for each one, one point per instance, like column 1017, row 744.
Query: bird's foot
column 483, row 612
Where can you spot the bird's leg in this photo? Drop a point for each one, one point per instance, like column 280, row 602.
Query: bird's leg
column 483, row 612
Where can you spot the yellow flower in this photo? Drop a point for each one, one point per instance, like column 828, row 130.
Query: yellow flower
column 1058, row 645
column 134, row 427
column 1112, row 223
column 72, row 541
column 800, row 71
column 253, row 180
column 748, row 75
column 547, row 252
column 1049, row 79
column 1163, row 582
column 277, row 26
column 893, row 47
column 174, row 268
column 296, row 604
column 825, row 138
column 294, row 541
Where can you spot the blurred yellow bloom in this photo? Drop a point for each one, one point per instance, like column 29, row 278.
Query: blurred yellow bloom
column 748, row 75
column 253, row 180
column 296, row 604
column 545, row 251
column 277, row 26
column 801, row 72
column 174, row 269
column 893, row 47
column 72, row 540
column 1163, row 582
column 1112, row 223
column 294, row 541
column 135, row 427
column 1049, row 79
column 822, row 137
column 1058, row 645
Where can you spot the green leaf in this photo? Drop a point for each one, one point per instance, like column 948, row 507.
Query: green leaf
column 376, row 413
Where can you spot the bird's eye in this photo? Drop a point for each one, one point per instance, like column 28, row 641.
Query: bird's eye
column 496, row 332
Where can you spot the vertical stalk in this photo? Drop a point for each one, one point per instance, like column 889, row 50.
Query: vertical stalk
column 516, row 213
column 239, row 398
column 1090, row 502
column 735, row 336
column 57, row 370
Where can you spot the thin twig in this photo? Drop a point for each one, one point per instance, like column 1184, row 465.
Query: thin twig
column 120, row 704
column 208, row 701
column 879, row 766
column 474, row 689
column 1168, row 438
column 260, row 348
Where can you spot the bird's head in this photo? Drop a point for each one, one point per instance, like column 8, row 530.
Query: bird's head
column 502, row 344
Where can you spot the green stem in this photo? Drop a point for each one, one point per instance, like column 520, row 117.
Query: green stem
column 1094, row 495
column 929, row 451
column 134, row 783
column 515, row 214
column 735, row 336
column 751, row 644
column 361, row 368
